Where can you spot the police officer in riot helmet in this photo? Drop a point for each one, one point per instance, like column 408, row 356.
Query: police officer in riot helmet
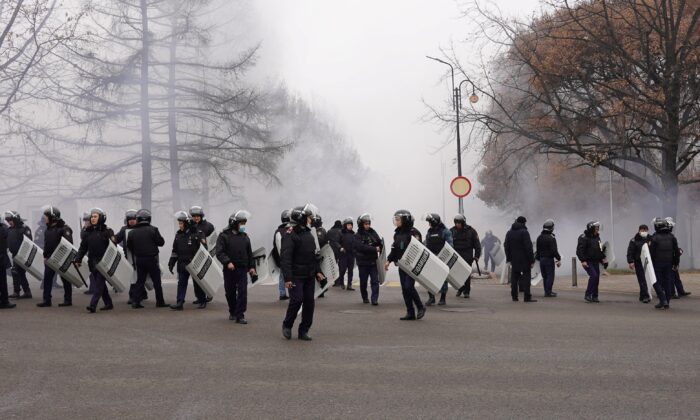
column 665, row 255
column 4, row 264
column 679, row 289
column 301, row 268
column 15, row 236
column 56, row 230
column 120, row 239
column 197, row 215
column 236, row 255
column 321, row 234
column 435, row 239
column 187, row 241
column 403, row 221
column 368, row 245
column 548, row 256
column 276, row 246
column 94, row 241
column 466, row 242
column 590, row 252
column 143, row 242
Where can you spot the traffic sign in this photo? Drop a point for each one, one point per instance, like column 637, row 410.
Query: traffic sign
column 461, row 187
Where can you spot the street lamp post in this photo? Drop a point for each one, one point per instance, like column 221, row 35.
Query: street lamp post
column 456, row 104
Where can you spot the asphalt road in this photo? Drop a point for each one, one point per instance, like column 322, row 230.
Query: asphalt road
column 485, row 357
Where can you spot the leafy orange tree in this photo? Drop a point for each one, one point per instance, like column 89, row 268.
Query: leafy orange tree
column 613, row 84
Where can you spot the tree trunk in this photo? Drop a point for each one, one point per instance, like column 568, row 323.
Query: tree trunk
column 146, row 164
column 172, row 125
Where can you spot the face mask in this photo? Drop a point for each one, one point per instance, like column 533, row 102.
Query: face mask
column 241, row 229
column 643, row 234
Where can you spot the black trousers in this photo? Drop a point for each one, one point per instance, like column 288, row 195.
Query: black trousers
column 19, row 280
column 49, row 275
column 520, row 279
column 146, row 266
column 236, row 286
column 410, row 294
column 4, row 296
column 301, row 295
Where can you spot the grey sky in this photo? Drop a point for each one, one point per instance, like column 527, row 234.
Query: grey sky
column 363, row 63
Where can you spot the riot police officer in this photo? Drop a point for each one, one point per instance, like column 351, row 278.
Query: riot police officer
column 236, row 255
column 665, row 255
column 367, row 247
column 56, row 229
column 17, row 231
column 4, row 263
column 143, row 242
column 206, row 227
column 321, row 234
column 590, row 252
column 346, row 256
column 120, row 239
column 276, row 246
column 403, row 221
column 466, row 243
column 187, row 241
column 301, row 269
column 94, row 242
column 548, row 256
column 435, row 240
column 518, row 248
column 679, row 290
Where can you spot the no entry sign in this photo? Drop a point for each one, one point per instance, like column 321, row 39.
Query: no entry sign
column 461, row 187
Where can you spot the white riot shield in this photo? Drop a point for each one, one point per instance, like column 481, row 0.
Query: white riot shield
column 535, row 275
column 459, row 269
column 648, row 266
column 31, row 258
column 381, row 262
column 116, row 269
column 424, row 266
column 211, row 243
column 609, row 253
column 497, row 254
column 61, row 261
column 260, row 259
column 206, row 272
column 272, row 268
column 329, row 266
column 505, row 274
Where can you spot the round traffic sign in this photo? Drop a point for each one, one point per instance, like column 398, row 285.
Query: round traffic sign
column 461, row 186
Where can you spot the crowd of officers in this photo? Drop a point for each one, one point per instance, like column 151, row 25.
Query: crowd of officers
column 296, row 251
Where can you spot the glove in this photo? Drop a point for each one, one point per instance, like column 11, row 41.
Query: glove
column 171, row 267
column 605, row 266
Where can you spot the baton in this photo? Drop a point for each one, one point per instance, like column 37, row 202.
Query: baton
column 477, row 268
column 80, row 274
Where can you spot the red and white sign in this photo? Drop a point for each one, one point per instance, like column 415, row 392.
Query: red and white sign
column 461, row 186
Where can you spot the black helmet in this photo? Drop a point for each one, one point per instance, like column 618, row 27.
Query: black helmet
column 661, row 224
column 460, row 219
column 316, row 221
column 12, row 215
column 196, row 211
column 548, row 225
column 285, row 217
column 348, row 221
column 51, row 212
column 432, row 218
column 592, row 225
column 364, row 218
column 405, row 217
column 299, row 214
column 184, row 217
column 241, row 216
column 143, row 216
column 101, row 215
column 129, row 215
